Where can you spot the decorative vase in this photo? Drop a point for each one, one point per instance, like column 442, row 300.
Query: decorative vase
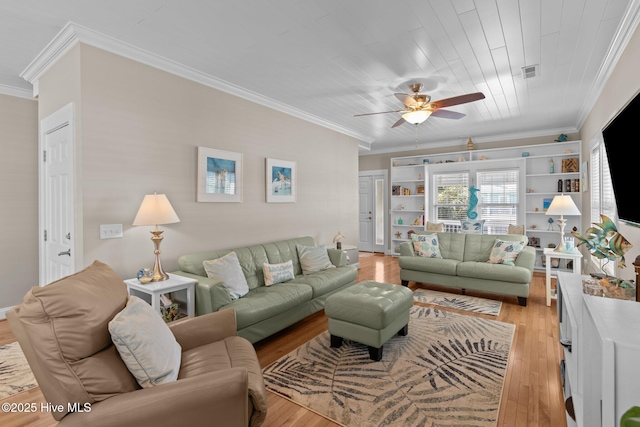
column 469, row 144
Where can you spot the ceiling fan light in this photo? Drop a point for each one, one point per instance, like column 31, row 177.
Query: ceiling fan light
column 416, row 117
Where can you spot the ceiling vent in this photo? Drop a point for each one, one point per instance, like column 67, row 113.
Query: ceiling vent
column 529, row 71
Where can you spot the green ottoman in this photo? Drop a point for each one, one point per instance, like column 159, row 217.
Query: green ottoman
column 369, row 313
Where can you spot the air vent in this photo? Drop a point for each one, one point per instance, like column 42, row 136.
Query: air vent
column 529, row 71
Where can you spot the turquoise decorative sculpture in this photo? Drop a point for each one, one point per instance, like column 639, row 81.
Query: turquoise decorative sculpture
column 561, row 138
column 473, row 202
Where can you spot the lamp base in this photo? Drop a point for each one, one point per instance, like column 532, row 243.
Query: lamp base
column 158, row 273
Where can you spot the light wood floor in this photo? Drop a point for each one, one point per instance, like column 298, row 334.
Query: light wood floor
column 532, row 393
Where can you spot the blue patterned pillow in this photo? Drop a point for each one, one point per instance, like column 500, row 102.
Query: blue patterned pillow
column 472, row 226
column 426, row 245
column 506, row 252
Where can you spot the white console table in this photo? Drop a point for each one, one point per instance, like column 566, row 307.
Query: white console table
column 601, row 340
column 550, row 253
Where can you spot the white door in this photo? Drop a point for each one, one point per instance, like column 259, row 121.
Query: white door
column 366, row 214
column 57, row 196
column 373, row 211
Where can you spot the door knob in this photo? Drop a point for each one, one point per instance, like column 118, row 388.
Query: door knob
column 67, row 252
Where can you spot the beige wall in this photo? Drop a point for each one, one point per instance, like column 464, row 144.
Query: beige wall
column 139, row 133
column 19, row 193
column 621, row 86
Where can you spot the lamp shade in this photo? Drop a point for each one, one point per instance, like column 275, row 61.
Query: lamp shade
column 416, row 117
column 155, row 210
column 563, row 205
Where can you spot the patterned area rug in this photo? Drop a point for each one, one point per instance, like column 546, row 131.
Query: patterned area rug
column 461, row 302
column 449, row 371
column 15, row 374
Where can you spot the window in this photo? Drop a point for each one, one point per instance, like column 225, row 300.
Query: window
column 498, row 204
column 451, row 198
column 602, row 200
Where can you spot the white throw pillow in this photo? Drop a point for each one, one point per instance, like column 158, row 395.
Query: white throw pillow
column 146, row 344
column 313, row 259
column 227, row 270
column 435, row 226
column 426, row 245
column 506, row 252
column 277, row 273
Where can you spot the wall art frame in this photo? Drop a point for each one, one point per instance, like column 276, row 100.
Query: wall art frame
column 219, row 175
column 281, row 181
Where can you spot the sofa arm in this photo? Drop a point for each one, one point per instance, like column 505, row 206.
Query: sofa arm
column 406, row 249
column 221, row 396
column 210, row 294
column 196, row 331
column 337, row 257
column 526, row 258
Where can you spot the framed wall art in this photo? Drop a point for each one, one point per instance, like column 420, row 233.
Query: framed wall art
column 281, row 181
column 219, row 175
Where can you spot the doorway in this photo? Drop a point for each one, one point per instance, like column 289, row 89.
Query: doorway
column 372, row 211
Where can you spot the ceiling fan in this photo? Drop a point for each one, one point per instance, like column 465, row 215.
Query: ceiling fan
column 418, row 107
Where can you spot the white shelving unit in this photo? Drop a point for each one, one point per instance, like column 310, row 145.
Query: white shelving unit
column 409, row 172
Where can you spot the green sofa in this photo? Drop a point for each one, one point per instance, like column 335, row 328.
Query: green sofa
column 267, row 310
column 464, row 265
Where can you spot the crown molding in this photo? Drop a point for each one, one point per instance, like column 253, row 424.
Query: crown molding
column 476, row 140
column 616, row 49
column 72, row 34
column 16, row 91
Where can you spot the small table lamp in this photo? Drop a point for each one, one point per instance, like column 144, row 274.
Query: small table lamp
column 562, row 205
column 156, row 210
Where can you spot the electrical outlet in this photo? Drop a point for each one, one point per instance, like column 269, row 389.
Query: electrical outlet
column 110, row 231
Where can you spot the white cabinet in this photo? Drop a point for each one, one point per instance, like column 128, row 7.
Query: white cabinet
column 541, row 185
column 601, row 338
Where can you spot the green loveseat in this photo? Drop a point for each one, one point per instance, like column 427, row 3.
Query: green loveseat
column 464, row 265
column 266, row 310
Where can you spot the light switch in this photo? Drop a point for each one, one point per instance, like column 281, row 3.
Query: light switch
column 110, row 231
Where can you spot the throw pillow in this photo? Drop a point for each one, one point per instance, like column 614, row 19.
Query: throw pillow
column 426, row 245
column 435, row 226
column 146, row 344
column 515, row 229
column 277, row 273
column 505, row 252
column 472, row 226
column 227, row 270
column 313, row 259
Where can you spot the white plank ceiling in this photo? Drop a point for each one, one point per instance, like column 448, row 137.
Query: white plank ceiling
column 331, row 59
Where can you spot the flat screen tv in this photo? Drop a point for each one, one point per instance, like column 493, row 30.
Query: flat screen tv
column 620, row 144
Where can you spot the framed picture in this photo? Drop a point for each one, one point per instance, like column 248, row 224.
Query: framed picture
column 219, row 175
column 546, row 202
column 534, row 241
column 281, row 181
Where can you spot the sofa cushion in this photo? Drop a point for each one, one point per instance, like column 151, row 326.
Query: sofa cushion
column 426, row 245
column 506, row 251
column 313, row 259
column 328, row 280
column 478, row 247
column 497, row 272
column 146, row 344
column 435, row 226
column 227, row 270
column 277, row 273
column 264, row 302
column 431, row 265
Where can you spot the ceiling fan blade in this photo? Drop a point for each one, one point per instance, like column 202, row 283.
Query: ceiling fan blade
column 447, row 114
column 381, row 112
column 457, row 100
column 406, row 99
column 398, row 123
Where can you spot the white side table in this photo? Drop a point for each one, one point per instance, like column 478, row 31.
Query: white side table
column 353, row 256
column 173, row 284
column 551, row 253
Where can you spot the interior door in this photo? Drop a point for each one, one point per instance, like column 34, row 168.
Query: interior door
column 57, row 197
column 366, row 214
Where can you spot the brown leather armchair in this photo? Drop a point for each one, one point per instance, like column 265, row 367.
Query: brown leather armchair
column 63, row 331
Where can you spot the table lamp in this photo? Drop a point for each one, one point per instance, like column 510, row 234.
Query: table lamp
column 156, row 210
column 562, row 205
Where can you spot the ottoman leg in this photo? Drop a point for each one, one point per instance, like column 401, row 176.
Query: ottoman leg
column 404, row 331
column 405, row 283
column 336, row 341
column 375, row 353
